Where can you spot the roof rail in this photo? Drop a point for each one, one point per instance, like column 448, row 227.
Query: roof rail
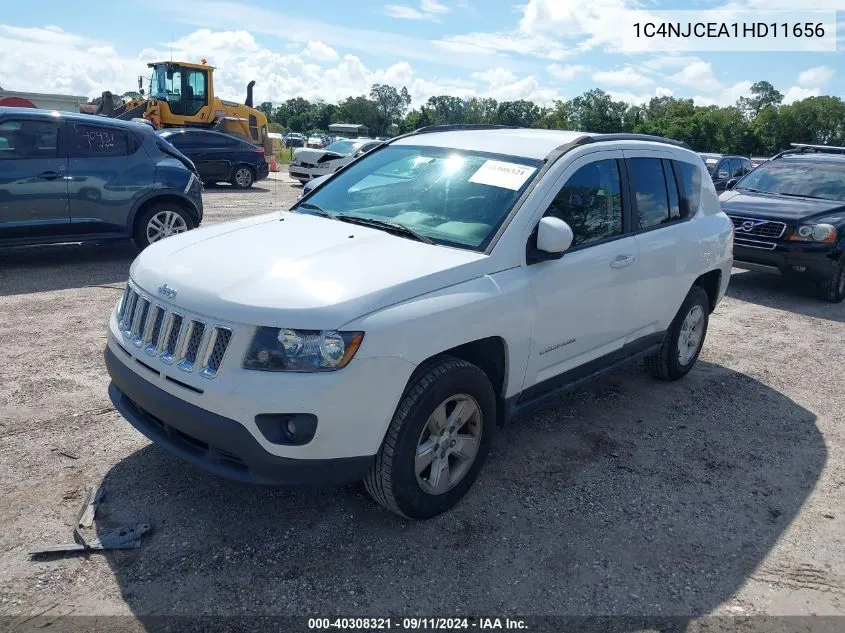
column 452, row 127
column 807, row 148
column 627, row 136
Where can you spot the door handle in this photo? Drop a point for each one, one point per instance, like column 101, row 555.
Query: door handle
column 48, row 175
column 620, row 261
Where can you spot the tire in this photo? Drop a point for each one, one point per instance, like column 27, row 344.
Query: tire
column 674, row 360
column 242, row 177
column 833, row 288
column 393, row 480
column 165, row 213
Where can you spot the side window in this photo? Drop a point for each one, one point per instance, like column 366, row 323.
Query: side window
column 253, row 127
column 724, row 169
column 98, row 141
column 591, row 202
column 648, row 184
column 689, row 176
column 746, row 166
column 736, row 168
column 28, row 138
column 196, row 93
column 672, row 188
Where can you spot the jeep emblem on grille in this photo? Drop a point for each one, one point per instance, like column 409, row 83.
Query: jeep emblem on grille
column 167, row 291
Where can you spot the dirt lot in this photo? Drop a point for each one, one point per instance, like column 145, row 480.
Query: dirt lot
column 721, row 493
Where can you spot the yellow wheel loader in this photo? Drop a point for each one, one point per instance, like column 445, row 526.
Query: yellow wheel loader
column 182, row 95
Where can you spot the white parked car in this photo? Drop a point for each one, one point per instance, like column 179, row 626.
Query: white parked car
column 309, row 163
column 383, row 327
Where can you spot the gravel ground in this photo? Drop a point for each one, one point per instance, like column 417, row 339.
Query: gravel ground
column 722, row 493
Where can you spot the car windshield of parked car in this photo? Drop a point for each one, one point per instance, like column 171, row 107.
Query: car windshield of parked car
column 810, row 179
column 451, row 197
column 710, row 162
column 344, row 147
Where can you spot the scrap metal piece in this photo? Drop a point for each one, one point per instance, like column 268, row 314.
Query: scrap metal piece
column 125, row 537
column 93, row 496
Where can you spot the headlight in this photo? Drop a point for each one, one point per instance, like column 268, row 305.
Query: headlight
column 284, row 349
column 814, row 233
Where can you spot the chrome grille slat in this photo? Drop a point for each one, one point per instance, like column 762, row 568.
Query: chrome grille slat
column 170, row 335
column 193, row 342
column 748, row 243
column 156, row 324
column 139, row 329
column 215, row 351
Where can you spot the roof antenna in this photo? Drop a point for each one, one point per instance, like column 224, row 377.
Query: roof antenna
column 171, row 48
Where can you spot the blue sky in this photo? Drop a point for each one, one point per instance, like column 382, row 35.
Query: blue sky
column 508, row 49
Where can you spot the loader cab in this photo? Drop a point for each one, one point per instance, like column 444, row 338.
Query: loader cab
column 185, row 87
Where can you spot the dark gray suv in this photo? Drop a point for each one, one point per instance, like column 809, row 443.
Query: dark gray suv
column 72, row 177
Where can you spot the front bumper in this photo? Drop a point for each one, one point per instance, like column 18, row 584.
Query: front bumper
column 815, row 261
column 213, row 442
column 299, row 172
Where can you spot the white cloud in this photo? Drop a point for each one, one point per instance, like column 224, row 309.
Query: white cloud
column 320, row 52
column 624, row 77
column 565, row 73
column 495, row 76
column 796, row 93
column 403, row 12
column 697, row 74
column 639, row 98
column 726, row 96
column 817, row 76
column 429, row 10
column 432, row 6
column 509, row 43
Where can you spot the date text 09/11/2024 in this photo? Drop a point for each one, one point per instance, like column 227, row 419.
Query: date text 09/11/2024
column 412, row 624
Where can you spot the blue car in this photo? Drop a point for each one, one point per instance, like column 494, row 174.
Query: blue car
column 73, row 177
column 220, row 157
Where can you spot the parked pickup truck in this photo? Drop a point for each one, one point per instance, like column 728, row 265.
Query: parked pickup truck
column 384, row 326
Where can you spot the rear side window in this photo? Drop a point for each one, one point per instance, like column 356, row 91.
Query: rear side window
column 737, row 168
column 591, row 202
column 94, row 141
column 651, row 198
column 689, row 178
column 28, row 139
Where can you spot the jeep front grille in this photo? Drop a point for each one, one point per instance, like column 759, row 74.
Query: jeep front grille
column 172, row 337
column 758, row 228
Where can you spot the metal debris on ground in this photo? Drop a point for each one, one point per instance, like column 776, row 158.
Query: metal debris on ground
column 125, row 537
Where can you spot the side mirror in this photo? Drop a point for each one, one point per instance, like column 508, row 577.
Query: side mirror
column 554, row 237
column 722, row 174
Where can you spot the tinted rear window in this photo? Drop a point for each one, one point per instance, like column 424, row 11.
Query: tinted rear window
column 689, row 177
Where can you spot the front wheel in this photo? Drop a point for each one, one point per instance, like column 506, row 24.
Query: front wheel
column 684, row 339
column 833, row 288
column 437, row 441
column 161, row 221
column 242, row 178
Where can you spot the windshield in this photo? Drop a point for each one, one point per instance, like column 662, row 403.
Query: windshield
column 343, row 147
column 452, row 197
column 710, row 162
column 811, row 179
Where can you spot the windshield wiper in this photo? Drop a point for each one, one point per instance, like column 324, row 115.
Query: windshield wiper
column 390, row 227
column 317, row 210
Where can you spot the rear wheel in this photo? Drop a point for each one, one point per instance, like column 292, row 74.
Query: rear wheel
column 833, row 288
column 684, row 338
column 242, row 178
column 437, row 441
column 160, row 221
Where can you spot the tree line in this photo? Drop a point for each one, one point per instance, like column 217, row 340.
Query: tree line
column 758, row 125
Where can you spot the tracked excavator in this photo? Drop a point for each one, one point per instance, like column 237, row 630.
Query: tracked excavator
column 181, row 94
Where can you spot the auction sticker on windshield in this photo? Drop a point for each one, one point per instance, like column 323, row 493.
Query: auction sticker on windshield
column 497, row 173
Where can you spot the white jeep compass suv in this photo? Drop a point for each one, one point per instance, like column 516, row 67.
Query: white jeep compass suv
column 429, row 291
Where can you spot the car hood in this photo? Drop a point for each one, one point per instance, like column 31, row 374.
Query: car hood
column 764, row 205
column 311, row 155
column 296, row 270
